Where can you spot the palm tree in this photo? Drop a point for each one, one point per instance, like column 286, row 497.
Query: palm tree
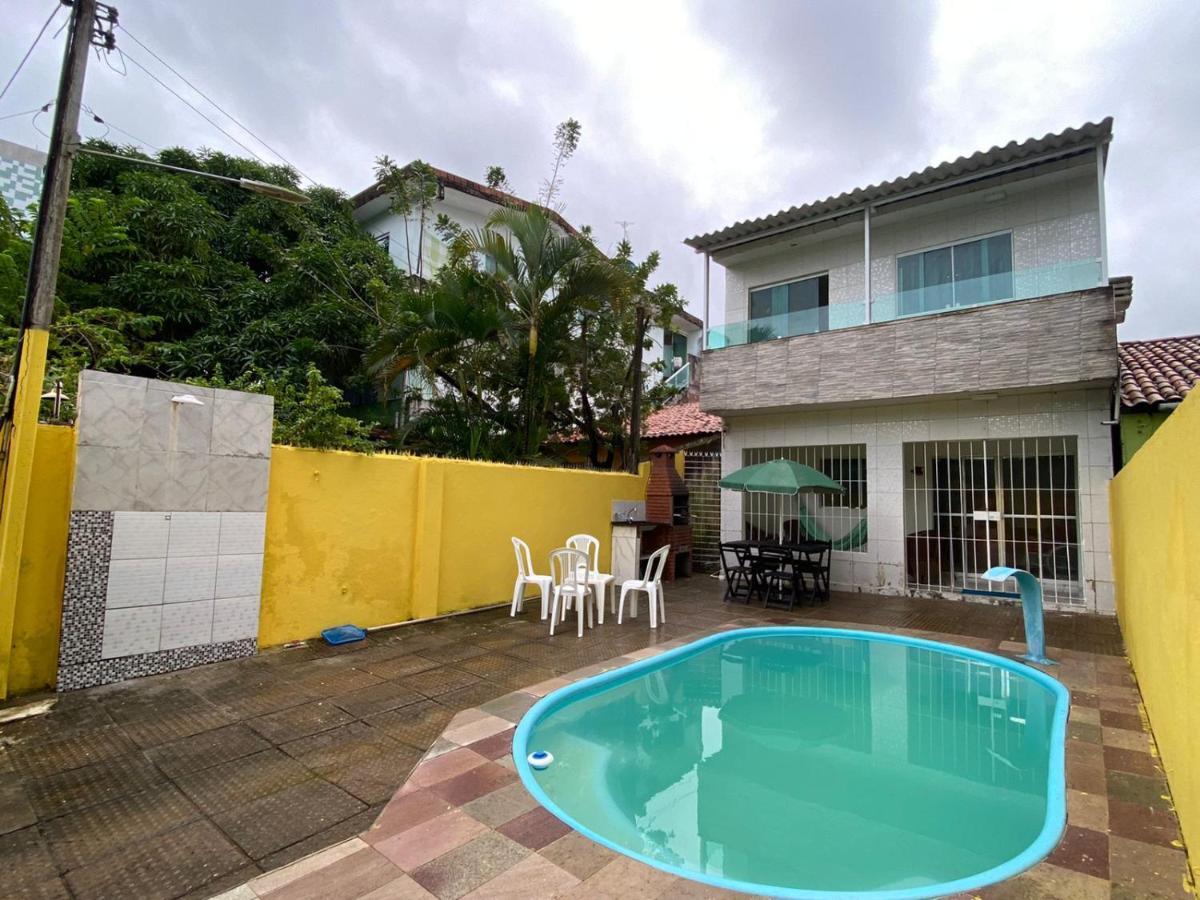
column 545, row 273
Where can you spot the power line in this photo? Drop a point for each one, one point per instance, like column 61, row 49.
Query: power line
column 24, row 58
column 219, row 108
column 186, row 103
column 107, row 124
column 43, row 108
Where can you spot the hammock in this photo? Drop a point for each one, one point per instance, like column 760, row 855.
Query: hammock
column 852, row 540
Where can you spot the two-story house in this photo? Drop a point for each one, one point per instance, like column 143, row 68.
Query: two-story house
column 944, row 344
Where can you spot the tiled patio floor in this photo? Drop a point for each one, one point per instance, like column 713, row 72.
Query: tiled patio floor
column 192, row 784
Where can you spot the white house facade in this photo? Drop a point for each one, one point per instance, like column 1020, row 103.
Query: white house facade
column 944, row 344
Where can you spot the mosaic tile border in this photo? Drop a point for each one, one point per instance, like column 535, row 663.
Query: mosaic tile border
column 80, row 665
column 89, row 554
column 106, row 671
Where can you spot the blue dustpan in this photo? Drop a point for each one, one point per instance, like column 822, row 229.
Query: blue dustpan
column 343, row 634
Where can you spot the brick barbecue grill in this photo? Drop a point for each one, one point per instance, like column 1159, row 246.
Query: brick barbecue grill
column 667, row 507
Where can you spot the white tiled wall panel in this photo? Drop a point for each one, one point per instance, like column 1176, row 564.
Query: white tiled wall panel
column 242, row 532
column 190, row 578
column 135, row 582
column 235, row 618
column 140, row 535
column 194, row 534
column 129, row 631
column 239, row 576
column 186, row 624
column 885, row 429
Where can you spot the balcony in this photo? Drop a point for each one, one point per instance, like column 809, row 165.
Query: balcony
column 963, row 293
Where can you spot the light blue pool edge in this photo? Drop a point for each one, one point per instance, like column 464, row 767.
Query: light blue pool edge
column 1047, row 839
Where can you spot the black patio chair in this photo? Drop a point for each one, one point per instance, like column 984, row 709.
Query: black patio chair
column 815, row 564
column 739, row 573
column 781, row 576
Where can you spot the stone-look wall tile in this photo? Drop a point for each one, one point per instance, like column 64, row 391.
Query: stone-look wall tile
column 89, row 541
column 235, row 618
column 130, row 631
column 242, row 424
column 194, row 534
column 239, row 576
column 105, row 478
column 140, row 535
column 172, row 481
column 111, row 411
column 238, row 484
column 242, row 532
column 186, row 624
column 135, row 582
column 179, row 427
column 190, row 578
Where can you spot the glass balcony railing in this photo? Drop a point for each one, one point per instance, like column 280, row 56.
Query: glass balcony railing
column 680, row 378
column 960, row 294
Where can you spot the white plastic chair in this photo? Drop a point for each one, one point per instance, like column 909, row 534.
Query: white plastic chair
column 601, row 582
column 650, row 585
column 569, row 568
column 526, row 575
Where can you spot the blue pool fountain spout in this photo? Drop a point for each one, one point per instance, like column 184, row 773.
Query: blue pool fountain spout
column 1031, row 603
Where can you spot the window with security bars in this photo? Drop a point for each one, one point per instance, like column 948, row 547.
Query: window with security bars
column 840, row 519
column 970, row 505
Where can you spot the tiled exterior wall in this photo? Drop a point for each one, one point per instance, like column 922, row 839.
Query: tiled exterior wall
column 1062, row 340
column 1056, row 224
column 165, row 552
column 885, row 430
column 20, row 175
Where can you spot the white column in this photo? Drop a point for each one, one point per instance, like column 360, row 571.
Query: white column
column 1103, row 215
column 704, row 330
column 867, row 262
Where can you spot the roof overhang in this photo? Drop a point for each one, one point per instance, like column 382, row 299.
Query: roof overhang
column 1092, row 137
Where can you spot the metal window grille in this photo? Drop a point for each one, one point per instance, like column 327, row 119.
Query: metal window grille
column 838, row 519
column 701, row 472
column 970, row 505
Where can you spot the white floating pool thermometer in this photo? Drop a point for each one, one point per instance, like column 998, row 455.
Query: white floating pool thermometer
column 540, row 759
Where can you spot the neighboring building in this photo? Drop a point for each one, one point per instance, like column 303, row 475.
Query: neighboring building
column 466, row 202
column 1155, row 377
column 20, row 175
column 944, row 344
column 678, row 348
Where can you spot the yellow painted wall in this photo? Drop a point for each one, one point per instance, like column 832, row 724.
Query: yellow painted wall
column 373, row 540
column 368, row 540
column 1156, row 558
column 34, row 653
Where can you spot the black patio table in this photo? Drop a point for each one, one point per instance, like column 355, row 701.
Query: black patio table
column 815, row 562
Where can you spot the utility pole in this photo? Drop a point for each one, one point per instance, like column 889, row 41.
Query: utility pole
column 20, row 418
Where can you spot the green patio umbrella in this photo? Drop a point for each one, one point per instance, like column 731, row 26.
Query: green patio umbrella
column 780, row 476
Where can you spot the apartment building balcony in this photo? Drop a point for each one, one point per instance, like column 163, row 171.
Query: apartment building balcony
column 955, row 343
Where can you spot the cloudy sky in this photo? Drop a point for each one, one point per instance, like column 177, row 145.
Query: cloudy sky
column 694, row 114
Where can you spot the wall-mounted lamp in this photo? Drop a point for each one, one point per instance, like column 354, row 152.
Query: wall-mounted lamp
column 189, row 399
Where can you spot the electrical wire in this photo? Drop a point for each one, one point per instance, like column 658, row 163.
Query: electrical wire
column 21, row 64
column 216, row 105
column 107, row 124
column 43, row 108
column 186, row 103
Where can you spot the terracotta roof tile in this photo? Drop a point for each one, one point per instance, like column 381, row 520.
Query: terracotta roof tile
column 1158, row 371
column 680, row 420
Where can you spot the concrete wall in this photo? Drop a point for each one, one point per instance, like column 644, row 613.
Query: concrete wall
column 1052, row 221
column 1137, row 428
column 885, row 430
column 1066, row 339
column 1156, row 538
column 370, row 540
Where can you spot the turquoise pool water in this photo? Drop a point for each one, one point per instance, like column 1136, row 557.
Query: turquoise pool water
column 811, row 762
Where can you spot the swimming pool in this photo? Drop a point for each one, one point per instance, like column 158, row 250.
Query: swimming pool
column 810, row 762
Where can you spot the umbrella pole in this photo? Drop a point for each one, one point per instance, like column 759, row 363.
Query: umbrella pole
column 781, row 519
